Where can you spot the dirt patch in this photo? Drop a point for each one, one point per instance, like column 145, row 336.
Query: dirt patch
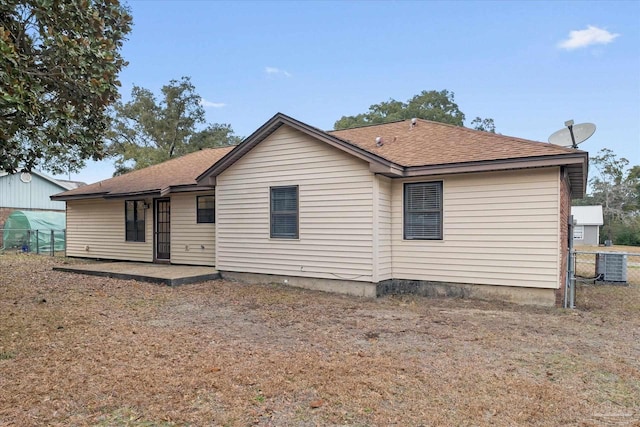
column 81, row 350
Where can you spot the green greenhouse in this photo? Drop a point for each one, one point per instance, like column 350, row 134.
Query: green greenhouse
column 34, row 231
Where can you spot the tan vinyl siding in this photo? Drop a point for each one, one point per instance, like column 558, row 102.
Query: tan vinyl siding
column 335, row 211
column 99, row 225
column 500, row 228
column 384, row 228
column 187, row 236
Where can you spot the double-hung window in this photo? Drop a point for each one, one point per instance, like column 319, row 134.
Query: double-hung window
column 134, row 220
column 206, row 209
column 423, row 211
column 284, row 212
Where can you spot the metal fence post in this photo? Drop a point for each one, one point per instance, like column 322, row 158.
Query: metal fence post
column 569, row 300
column 53, row 242
column 572, row 279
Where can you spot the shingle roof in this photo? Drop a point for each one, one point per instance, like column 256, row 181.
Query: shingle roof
column 181, row 171
column 427, row 144
column 429, row 148
column 432, row 143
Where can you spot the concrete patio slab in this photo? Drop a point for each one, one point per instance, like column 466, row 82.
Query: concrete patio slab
column 167, row 274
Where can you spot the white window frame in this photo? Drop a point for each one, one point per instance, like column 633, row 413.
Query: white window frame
column 274, row 214
column 406, row 230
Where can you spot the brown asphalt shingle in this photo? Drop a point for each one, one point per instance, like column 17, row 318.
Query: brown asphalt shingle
column 425, row 144
column 432, row 143
column 180, row 171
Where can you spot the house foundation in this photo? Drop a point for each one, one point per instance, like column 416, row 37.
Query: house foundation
column 349, row 287
column 512, row 294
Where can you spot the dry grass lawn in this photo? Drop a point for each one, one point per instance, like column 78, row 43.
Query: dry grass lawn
column 614, row 248
column 80, row 350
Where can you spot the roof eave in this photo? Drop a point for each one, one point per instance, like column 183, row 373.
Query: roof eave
column 576, row 163
column 105, row 195
column 185, row 188
column 135, row 194
column 62, row 197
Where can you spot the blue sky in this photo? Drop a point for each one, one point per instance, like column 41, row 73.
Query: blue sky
column 528, row 65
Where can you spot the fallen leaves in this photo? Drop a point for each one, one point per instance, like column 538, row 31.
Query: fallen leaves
column 316, row 403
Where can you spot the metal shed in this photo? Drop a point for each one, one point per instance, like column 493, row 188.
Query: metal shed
column 588, row 220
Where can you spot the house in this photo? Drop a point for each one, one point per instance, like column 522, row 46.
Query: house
column 587, row 221
column 410, row 206
column 30, row 192
column 156, row 214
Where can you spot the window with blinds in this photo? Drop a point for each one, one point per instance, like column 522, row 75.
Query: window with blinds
column 284, row 212
column 423, row 211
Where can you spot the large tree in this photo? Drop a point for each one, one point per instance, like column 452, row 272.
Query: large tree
column 429, row 105
column 59, row 64
column 146, row 131
column 616, row 187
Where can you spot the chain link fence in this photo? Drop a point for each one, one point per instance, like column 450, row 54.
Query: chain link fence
column 44, row 241
column 608, row 267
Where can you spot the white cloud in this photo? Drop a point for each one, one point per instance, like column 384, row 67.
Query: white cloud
column 274, row 71
column 583, row 38
column 207, row 104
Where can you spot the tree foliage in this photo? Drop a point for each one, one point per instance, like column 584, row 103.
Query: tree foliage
column 485, row 125
column 59, row 62
column 429, row 105
column 616, row 187
column 146, row 131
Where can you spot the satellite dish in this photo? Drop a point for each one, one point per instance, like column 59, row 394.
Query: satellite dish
column 572, row 135
column 25, row 177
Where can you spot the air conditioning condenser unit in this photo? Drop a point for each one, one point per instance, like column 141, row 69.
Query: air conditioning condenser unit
column 611, row 267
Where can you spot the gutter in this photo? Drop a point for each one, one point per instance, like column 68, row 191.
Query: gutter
column 172, row 189
column 486, row 165
column 62, row 197
column 163, row 192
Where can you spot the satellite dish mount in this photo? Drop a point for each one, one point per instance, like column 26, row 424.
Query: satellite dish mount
column 569, row 125
column 572, row 135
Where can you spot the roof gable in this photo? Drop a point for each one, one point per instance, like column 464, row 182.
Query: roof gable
column 63, row 185
column 271, row 126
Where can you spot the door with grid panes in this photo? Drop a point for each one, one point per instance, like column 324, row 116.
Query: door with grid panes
column 162, row 229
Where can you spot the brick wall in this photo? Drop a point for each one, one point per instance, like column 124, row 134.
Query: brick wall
column 4, row 214
column 565, row 211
